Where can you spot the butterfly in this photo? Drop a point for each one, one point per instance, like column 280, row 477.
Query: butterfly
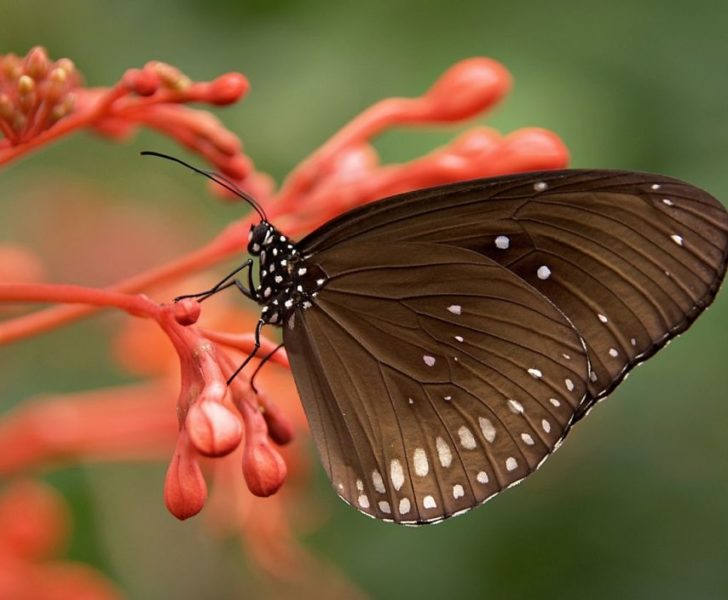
column 444, row 341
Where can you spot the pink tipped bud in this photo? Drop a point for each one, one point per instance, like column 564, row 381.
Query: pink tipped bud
column 228, row 88
column 187, row 311
column 263, row 467
column 185, row 491
column 213, row 429
column 37, row 63
column 468, row 88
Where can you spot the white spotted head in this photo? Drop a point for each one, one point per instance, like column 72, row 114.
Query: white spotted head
column 260, row 236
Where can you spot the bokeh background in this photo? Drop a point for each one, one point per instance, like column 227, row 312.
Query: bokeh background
column 634, row 505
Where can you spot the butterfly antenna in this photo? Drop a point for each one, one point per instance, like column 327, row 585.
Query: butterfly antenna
column 218, row 178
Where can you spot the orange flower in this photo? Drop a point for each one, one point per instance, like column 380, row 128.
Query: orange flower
column 33, row 524
column 221, row 426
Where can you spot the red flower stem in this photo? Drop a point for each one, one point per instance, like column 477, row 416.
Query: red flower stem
column 231, row 240
column 47, row 292
column 10, row 136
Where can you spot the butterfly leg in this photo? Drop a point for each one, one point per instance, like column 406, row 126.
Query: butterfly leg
column 227, row 282
column 265, row 359
column 252, row 353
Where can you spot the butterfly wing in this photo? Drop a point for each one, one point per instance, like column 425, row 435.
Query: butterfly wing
column 630, row 258
column 432, row 377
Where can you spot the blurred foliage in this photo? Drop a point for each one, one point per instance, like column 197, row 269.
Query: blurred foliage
column 634, row 505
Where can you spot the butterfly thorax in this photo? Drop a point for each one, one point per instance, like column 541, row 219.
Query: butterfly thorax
column 286, row 281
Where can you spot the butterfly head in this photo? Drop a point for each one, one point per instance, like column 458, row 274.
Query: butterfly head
column 260, row 236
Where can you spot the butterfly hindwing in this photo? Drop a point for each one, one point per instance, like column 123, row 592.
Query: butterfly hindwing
column 432, row 377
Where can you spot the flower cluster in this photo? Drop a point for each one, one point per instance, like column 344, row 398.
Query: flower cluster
column 219, row 425
column 42, row 100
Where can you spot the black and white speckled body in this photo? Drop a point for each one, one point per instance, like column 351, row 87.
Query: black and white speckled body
column 286, row 281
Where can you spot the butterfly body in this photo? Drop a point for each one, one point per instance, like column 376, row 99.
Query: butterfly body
column 286, row 282
column 444, row 341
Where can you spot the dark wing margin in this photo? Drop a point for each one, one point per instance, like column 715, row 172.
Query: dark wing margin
column 432, row 377
column 631, row 259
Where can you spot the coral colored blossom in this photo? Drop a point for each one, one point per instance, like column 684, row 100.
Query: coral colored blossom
column 228, row 433
column 33, row 525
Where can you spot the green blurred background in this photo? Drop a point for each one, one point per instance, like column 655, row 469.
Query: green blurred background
column 634, row 505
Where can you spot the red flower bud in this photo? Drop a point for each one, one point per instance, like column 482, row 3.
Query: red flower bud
column 213, row 429
column 144, row 82
column 185, row 490
column 228, row 88
column 468, row 88
column 263, row 467
column 187, row 311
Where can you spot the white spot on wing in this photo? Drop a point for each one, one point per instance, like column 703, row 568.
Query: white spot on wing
column 655, row 186
column 569, row 384
column 667, row 201
column 378, row 482
column 677, row 239
column 457, row 491
column 404, row 506
column 487, row 428
column 429, row 360
column 613, row 352
column 511, row 463
column 459, row 338
column 546, row 426
column 396, row 473
column 502, row 242
column 602, row 317
column 543, row 272
column 384, row 507
column 535, row 373
column 555, row 402
column 482, row 477
column 419, row 461
column 455, row 309
column 527, row 439
column 364, row 501
column 443, row 452
column 429, row 502
column 540, row 186
column 515, row 406
column 467, row 440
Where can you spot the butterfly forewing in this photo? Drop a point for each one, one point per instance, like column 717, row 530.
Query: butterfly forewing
column 631, row 259
column 432, row 376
